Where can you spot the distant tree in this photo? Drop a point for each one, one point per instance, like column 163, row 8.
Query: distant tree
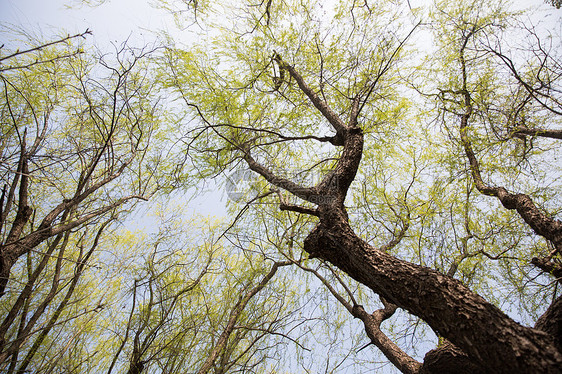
column 195, row 307
column 74, row 153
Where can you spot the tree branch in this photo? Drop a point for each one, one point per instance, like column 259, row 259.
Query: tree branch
column 305, row 193
column 235, row 314
column 320, row 104
column 372, row 322
column 43, row 46
column 547, row 227
column 543, row 133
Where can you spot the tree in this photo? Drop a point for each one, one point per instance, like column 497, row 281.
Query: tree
column 73, row 125
column 97, row 134
column 112, row 122
column 182, row 316
column 415, row 190
column 318, row 92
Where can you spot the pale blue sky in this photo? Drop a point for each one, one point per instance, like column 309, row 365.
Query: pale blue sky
column 113, row 21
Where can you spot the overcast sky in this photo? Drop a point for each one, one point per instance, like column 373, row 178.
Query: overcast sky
column 114, row 21
column 117, row 20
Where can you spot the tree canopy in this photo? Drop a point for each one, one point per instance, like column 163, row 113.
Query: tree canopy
column 392, row 180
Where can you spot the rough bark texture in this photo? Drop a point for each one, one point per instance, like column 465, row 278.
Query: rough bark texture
column 481, row 330
column 551, row 322
column 448, row 359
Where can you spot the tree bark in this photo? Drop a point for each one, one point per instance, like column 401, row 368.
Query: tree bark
column 449, row 359
column 551, row 322
column 488, row 336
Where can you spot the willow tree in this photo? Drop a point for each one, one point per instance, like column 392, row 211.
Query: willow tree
column 185, row 301
column 82, row 138
column 75, row 130
column 399, row 168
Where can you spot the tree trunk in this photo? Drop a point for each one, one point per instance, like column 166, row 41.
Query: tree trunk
column 449, row 359
column 489, row 337
column 551, row 322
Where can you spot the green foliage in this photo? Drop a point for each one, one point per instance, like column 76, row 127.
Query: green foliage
column 172, row 118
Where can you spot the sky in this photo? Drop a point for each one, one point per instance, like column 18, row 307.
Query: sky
column 119, row 20
column 113, row 21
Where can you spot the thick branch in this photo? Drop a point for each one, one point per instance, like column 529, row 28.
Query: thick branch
column 543, row 133
column 449, row 359
column 337, row 182
column 305, row 193
column 478, row 328
column 551, row 322
column 27, row 291
column 68, row 37
column 40, row 47
column 320, row 104
column 284, row 205
column 270, row 132
column 66, row 204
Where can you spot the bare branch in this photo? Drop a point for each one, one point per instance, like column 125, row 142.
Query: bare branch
column 43, row 46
